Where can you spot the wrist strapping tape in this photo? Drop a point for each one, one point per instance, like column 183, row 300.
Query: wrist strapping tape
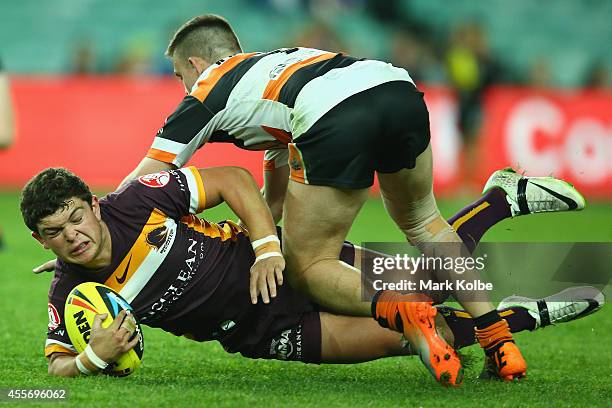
column 95, row 360
column 270, row 238
column 81, row 366
column 267, row 255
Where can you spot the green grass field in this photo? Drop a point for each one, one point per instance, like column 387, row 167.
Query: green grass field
column 569, row 365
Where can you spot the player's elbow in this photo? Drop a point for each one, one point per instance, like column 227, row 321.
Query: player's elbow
column 6, row 139
column 53, row 370
column 60, row 366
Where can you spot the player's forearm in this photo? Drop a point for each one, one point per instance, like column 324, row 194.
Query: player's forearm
column 7, row 129
column 147, row 166
column 275, row 188
column 245, row 200
column 65, row 365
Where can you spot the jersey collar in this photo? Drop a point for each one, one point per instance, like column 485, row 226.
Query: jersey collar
column 206, row 72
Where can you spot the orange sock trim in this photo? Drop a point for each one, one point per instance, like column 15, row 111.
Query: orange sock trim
column 493, row 335
column 387, row 307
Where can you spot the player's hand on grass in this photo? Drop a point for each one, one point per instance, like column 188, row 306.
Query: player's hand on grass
column 112, row 342
column 265, row 275
column 48, row 266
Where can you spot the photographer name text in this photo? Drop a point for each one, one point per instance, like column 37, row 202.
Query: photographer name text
column 432, row 285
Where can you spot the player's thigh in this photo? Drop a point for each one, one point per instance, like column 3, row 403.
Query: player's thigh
column 408, row 192
column 317, row 219
column 363, row 259
column 351, row 339
column 408, row 185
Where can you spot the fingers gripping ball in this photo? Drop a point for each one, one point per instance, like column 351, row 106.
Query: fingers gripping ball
column 87, row 300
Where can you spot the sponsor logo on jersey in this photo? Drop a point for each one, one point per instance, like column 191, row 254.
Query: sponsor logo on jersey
column 228, row 325
column 157, row 237
column 121, row 279
column 278, row 69
column 54, row 317
column 282, row 347
column 193, row 259
column 294, row 163
column 156, row 180
column 225, row 327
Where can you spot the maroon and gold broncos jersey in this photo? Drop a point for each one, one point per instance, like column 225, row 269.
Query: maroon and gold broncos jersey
column 180, row 273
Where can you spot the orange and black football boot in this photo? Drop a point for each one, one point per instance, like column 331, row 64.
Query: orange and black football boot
column 503, row 358
column 414, row 316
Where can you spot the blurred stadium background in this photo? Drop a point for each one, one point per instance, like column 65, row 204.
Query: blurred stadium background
column 518, row 83
column 523, row 83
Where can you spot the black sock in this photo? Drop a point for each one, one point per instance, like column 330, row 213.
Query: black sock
column 518, row 319
column 462, row 324
column 373, row 304
column 487, row 319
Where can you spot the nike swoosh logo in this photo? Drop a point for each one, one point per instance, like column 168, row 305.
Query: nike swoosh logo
column 121, row 279
column 593, row 306
column 570, row 203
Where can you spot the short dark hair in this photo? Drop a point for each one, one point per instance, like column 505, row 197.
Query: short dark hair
column 207, row 36
column 48, row 191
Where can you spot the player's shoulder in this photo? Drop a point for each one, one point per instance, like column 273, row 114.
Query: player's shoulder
column 138, row 197
column 130, row 192
column 66, row 277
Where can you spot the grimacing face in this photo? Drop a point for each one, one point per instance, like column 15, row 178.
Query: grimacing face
column 75, row 234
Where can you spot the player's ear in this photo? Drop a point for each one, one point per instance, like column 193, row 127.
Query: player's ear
column 95, row 207
column 199, row 64
column 40, row 239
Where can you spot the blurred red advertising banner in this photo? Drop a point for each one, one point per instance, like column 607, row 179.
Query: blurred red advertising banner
column 567, row 134
column 98, row 127
column 101, row 127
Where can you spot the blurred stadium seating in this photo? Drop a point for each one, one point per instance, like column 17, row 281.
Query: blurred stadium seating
column 572, row 35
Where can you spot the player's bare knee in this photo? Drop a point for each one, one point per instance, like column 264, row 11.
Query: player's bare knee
column 296, row 267
column 302, row 271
